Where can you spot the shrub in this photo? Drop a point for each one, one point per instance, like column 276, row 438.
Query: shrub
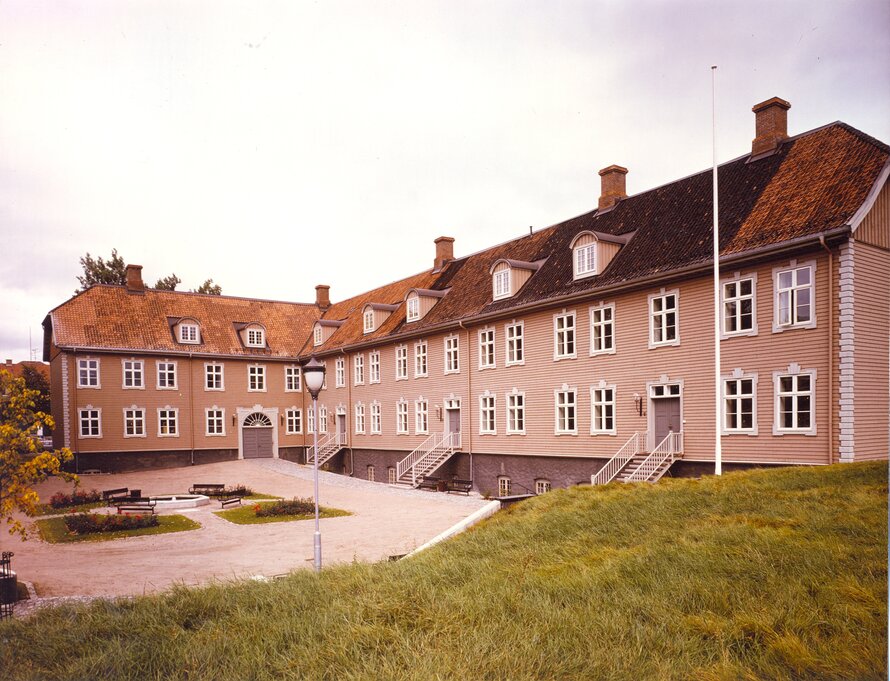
column 76, row 498
column 285, row 507
column 88, row 523
column 238, row 490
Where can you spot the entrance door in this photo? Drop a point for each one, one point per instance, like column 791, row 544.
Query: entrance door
column 256, row 437
column 341, row 427
column 453, row 420
column 666, row 413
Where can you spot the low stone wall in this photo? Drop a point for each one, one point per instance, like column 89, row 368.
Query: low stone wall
column 120, row 462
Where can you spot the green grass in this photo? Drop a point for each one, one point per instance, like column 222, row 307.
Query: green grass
column 259, row 496
column 54, row 530
column 46, row 509
column 244, row 515
column 778, row 575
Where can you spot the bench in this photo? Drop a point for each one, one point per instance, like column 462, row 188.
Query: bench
column 137, row 505
column 209, row 489
column 229, row 501
column 429, row 482
column 115, row 494
column 462, row 486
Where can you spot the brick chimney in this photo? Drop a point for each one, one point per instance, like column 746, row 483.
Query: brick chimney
column 134, row 279
column 323, row 296
column 771, row 125
column 613, row 186
column 444, row 251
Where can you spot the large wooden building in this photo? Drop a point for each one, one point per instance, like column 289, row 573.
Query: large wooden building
column 583, row 350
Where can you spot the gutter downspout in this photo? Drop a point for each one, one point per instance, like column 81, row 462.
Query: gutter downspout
column 348, row 409
column 830, row 348
column 469, row 398
column 75, row 422
column 191, row 409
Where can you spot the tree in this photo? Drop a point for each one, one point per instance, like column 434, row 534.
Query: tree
column 100, row 271
column 35, row 380
column 210, row 288
column 168, row 283
column 23, row 463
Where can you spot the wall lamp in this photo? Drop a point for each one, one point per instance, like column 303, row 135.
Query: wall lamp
column 638, row 403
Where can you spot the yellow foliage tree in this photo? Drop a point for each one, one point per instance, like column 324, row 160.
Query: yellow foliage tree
column 23, row 462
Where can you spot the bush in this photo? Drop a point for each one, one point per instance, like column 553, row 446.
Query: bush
column 285, row 507
column 76, row 498
column 238, row 490
column 88, row 523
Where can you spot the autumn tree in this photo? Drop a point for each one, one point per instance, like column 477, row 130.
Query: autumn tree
column 209, row 287
column 168, row 283
column 100, row 271
column 23, row 463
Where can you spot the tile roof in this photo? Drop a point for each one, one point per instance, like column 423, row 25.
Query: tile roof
column 17, row 369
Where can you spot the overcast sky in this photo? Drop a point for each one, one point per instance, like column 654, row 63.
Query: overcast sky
column 276, row 146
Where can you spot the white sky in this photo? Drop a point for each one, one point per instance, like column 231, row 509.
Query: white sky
column 277, row 145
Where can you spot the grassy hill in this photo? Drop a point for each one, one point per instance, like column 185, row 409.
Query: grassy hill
column 759, row 575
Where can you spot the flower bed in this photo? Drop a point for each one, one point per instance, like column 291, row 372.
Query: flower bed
column 76, row 498
column 285, row 507
column 238, row 491
column 88, row 523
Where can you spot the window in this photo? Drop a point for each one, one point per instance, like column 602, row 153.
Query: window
column 323, row 419
column 542, row 486
column 486, row 349
column 371, row 473
column 368, row 321
column 374, row 367
column 311, row 420
column 256, row 338
column 487, row 415
column 413, row 306
column 134, row 422
column 391, row 475
column 585, row 260
column 515, row 413
column 402, row 418
column 738, row 307
column 188, row 333
column 317, row 335
column 505, row 487
column 421, row 417
column 401, row 362
column 376, row 419
column 213, row 377
column 88, row 373
column 420, row 364
column 452, row 355
column 794, row 297
column 292, row 379
column 795, row 401
column 602, row 329
column 294, row 421
column 90, row 422
column 340, row 372
column 358, row 369
column 602, row 401
column 168, row 425
column 166, row 375
column 515, row 347
column 739, row 413
column 564, row 335
column 256, row 378
column 501, row 284
column 134, row 372
column 565, row 411
column 216, row 421
column 359, row 418
column 663, row 327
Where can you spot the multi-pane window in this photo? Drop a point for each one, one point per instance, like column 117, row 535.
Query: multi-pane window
column 452, row 355
column 294, row 420
column 134, row 422
column 402, row 418
column 505, row 487
column 487, row 415
column 515, row 413
column 602, row 410
column 585, row 260
column 501, row 284
column 372, row 474
column 90, row 422
column 340, row 372
column 794, row 291
column 738, row 306
column 358, row 369
column 216, row 422
column 401, row 362
column 738, row 405
column 413, row 308
column 323, row 419
column 515, row 344
column 794, row 402
column 88, row 373
column 134, row 373
column 213, row 376
column 486, row 349
column 168, row 422
column 310, row 420
column 421, row 417
column 542, row 486
column 166, row 375
column 374, row 367
column 602, row 329
column 376, row 419
column 391, row 475
column 564, row 335
column 566, row 404
column 368, row 321
column 359, row 418
column 256, row 338
column 420, row 359
column 256, row 378
column 317, row 335
column 663, row 319
column 188, row 333
column 293, row 379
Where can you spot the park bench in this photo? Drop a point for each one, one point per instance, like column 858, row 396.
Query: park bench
column 209, row 489
column 429, row 482
column 462, row 486
column 229, row 501
column 113, row 495
column 136, row 505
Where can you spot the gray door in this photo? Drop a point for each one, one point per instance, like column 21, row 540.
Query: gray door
column 666, row 412
column 257, row 443
column 453, row 420
column 341, row 424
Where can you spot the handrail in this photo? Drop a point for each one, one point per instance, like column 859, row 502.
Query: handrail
column 418, row 453
column 614, row 465
column 329, row 446
column 666, row 449
column 443, row 443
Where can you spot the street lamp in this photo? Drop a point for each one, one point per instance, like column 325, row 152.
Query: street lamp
column 313, row 376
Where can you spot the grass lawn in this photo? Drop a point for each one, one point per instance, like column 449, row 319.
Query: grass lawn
column 54, row 530
column 46, row 509
column 776, row 575
column 244, row 515
column 259, row 496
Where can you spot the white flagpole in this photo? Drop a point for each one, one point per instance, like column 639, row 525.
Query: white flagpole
column 718, row 453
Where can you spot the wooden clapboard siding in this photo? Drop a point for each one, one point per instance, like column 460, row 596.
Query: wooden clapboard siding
column 875, row 227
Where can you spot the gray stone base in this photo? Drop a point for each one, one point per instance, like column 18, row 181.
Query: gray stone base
column 119, row 462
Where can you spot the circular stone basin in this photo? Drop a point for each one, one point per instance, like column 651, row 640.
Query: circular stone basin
column 180, row 501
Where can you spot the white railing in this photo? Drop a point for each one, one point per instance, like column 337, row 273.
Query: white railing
column 653, row 466
column 428, row 455
column 419, row 452
column 613, row 466
column 327, row 447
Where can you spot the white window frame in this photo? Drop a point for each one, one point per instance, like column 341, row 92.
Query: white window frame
column 317, row 335
column 452, row 354
column 358, row 369
column 402, row 417
column 662, row 315
column 795, row 371
column 793, row 290
column 92, row 414
column 376, row 418
column 421, row 356
column 212, row 374
column 391, row 475
column 189, row 333
column 135, row 415
column 166, row 371
column 518, row 343
column 737, row 280
column 293, row 379
column 340, row 372
column 219, row 416
column 136, row 370
column 488, row 416
column 401, row 352
column 502, row 284
column 597, row 399
column 421, row 417
column 374, row 366
column 89, row 373
column 359, row 418
column 505, row 486
column 487, row 356
column 167, row 410
column 558, row 428
column 293, row 421
column 542, row 486
column 736, row 377
column 598, row 327
column 560, row 336
column 257, row 372
column 322, row 418
column 255, row 338
column 368, row 321
column 310, row 419
column 412, row 308
column 590, row 264
column 372, row 473
column 514, row 410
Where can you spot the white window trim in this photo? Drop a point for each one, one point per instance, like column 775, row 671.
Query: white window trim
column 287, row 420
column 417, row 412
column 317, row 335
column 207, row 411
column 322, row 418
column 298, row 375
column 412, row 308
column 262, row 373
column 376, row 407
column 189, row 325
column 368, row 328
column 598, row 308
column 565, row 388
column 602, row 385
column 542, row 482
column 508, row 487
column 358, row 369
column 80, row 410
column 494, row 338
column 132, row 407
column 426, row 352
column 359, row 410
column 397, row 349
column 593, row 245
column 340, row 373
column 507, row 396
column 445, row 341
column 494, row 408
column 793, row 265
column 402, row 405
column 794, row 370
column 175, row 411
column 141, row 364
column 175, row 364
column 222, row 376
column 262, row 341
column 515, row 362
column 98, row 385
column 736, row 375
column 663, row 294
column 574, row 354
column 506, row 274
column 374, row 361
column 736, row 278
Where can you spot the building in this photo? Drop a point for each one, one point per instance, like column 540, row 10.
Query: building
column 533, row 363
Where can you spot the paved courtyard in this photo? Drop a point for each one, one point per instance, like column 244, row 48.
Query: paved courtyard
column 386, row 521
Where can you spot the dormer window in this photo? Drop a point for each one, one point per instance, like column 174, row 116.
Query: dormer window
column 593, row 251
column 375, row 314
column 413, row 307
column 368, row 321
column 501, row 284
column 419, row 301
column 256, row 338
column 188, row 333
column 585, row 260
column 508, row 276
column 317, row 335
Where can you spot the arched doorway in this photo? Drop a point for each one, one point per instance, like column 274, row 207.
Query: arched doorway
column 256, row 437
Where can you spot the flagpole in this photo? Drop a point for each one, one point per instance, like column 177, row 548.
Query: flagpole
column 718, row 453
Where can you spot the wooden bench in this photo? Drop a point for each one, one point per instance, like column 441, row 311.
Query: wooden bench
column 137, row 505
column 429, row 482
column 113, row 495
column 462, row 486
column 229, row 501
column 210, row 489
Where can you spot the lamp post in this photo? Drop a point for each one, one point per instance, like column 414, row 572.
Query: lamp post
column 313, row 376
